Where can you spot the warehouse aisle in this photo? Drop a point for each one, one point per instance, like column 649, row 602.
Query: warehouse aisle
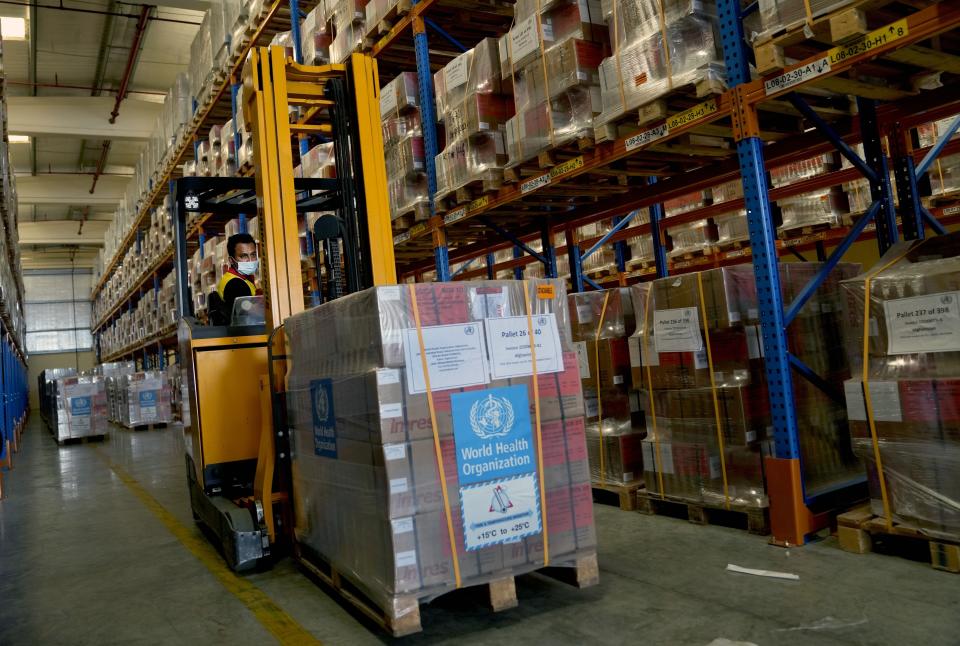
column 89, row 557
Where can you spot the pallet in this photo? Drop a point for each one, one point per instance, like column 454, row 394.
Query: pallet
column 547, row 159
column 394, row 14
column 755, row 520
column 402, row 617
column 693, row 254
column 626, row 494
column 159, row 426
column 699, row 88
column 81, row 440
column 733, row 245
column 407, row 218
column 639, row 264
column 489, row 182
column 799, row 232
column 860, row 531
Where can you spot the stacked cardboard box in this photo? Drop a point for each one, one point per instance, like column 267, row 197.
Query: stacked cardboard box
column 112, row 374
column 403, row 145
column 145, row 398
column 691, row 237
column 781, row 15
column 658, row 45
column 913, row 377
column 367, row 487
column 601, row 321
column 474, row 112
column 707, row 432
column 81, row 407
column 47, row 392
column 551, row 58
column 315, row 37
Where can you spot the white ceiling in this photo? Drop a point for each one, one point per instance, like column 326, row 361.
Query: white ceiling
column 68, row 47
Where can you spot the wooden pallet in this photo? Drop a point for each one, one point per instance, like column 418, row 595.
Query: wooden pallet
column 490, row 181
column 860, row 531
column 699, row 88
column 406, row 219
column 402, row 617
column 547, row 159
column 798, row 232
column 693, row 254
column 81, row 440
column 394, row 14
column 639, row 264
column 755, row 520
column 159, row 426
column 625, row 494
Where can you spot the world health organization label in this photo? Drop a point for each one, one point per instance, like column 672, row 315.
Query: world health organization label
column 324, row 419
column 496, row 465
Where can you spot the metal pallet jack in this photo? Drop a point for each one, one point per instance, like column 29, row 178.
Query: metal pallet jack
column 237, row 451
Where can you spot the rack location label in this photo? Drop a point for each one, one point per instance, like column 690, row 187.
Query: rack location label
column 647, row 136
column 797, row 76
column 534, row 184
column 696, row 113
column 566, row 167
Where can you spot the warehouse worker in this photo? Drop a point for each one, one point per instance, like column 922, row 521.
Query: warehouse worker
column 238, row 279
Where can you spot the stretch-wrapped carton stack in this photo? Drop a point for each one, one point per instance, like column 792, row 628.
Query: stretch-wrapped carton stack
column 112, row 374
column 601, row 321
column 371, row 494
column 658, row 45
column 403, row 145
column 781, row 15
column 474, row 113
column 145, row 399
column 81, row 407
column 909, row 435
column 697, row 356
column 551, row 58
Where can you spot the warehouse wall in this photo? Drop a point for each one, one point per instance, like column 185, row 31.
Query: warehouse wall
column 37, row 363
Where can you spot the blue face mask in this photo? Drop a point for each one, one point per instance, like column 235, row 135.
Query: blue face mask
column 248, row 267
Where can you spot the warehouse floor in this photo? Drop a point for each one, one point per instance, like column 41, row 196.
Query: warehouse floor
column 98, row 547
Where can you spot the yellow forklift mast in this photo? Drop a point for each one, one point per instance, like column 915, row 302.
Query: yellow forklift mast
column 237, row 450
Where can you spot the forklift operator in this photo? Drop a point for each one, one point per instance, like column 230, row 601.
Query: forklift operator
column 238, row 279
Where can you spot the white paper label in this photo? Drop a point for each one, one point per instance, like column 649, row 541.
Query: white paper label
column 391, row 410
column 488, row 303
column 677, row 330
column 388, row 376
column 853, row 392
column 389, row 293
column 388, row 101
column 885, row 401
column 797, row 76
column 524, row 39
column 658, row 456
column 455, row 74
column 407, row 558
column 590, row 405
column 582, row 359
column 402, row 525
column 700, row 361
column 633, row 345
column 456, row 357
column 751, row 436
column 617, row 380
column 754, row 346
column 509, row 343
column 394, row 451
column 500, row 511
column 928, row 323
column 716, row 469
column 398, row 485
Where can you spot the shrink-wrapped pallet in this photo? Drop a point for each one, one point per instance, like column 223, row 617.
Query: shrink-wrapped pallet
column 81, row 407
column 908, row 371
column 145, row 399
column 411, row 488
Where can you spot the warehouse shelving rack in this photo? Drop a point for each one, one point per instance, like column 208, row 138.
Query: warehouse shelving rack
column 13, row 397
column 549, row 200
column 157, row 350
column 517, row 215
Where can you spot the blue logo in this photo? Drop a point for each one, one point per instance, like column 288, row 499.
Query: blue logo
column 324, row 419
column 492, row 432
column 80, row 405
column 148, row 398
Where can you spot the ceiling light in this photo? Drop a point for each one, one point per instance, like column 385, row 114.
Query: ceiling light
column 19, row 139
column 13, row 28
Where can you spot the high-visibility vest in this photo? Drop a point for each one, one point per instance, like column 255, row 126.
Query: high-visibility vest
column 227, row 277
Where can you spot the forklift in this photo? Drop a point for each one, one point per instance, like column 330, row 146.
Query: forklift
column 235, row 434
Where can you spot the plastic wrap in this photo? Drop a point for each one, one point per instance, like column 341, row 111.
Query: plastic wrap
column 691, row 237
column 145, row 398
column 657, row 46
column 477, row 158
column 732, row 227
column 81, row 407
column 721, row 419
column 781, row 15
column 810, row 209
column 367, row 488
column 945, row 174
column 315, row 38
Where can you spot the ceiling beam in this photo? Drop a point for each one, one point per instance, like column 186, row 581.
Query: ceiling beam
column 85, row 117
column 62, row 232
column 59, row 188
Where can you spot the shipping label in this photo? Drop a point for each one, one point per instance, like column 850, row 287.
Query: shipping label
column 583, row 361
column 456, row 357
column 148, row 405
column 324, row 418
column 509, row 342
column 524, row 38
column 929, row 323
column 885, row 401
column 677, row 330
column 455, row 74
column 496, row 466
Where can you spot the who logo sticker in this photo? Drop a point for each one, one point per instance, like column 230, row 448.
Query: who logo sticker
column 496, row 466
column 324, row 418
column 80, row 406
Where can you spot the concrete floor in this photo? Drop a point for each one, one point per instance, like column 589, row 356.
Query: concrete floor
column 83, row 560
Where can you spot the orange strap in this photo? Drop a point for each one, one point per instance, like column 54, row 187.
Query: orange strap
column 436, row 438
column 658, row 465
column 596, row 356
column 713, row 391
column 536, row 411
